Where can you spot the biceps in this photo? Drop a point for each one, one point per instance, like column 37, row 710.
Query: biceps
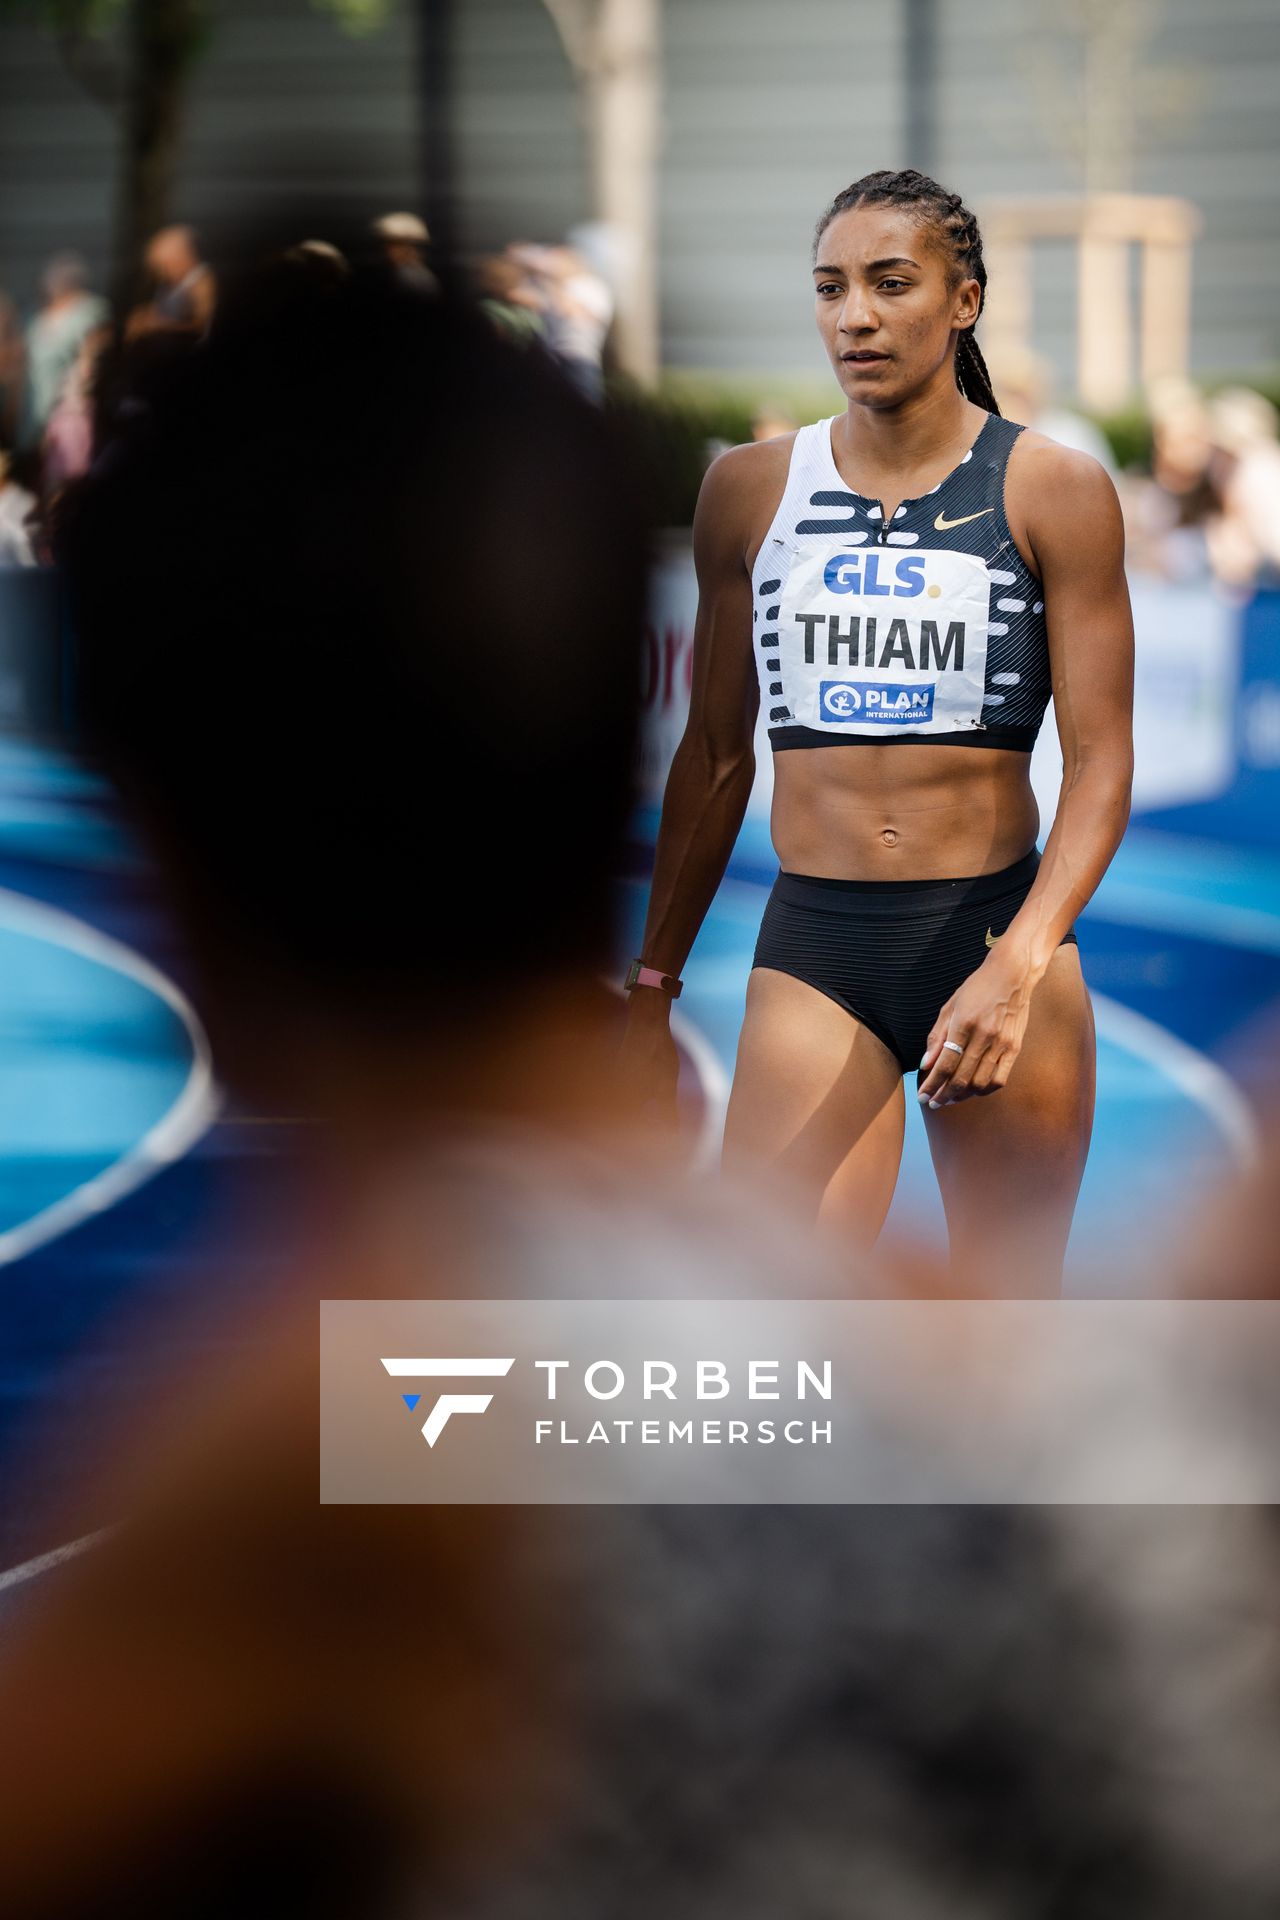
column 1091, row 655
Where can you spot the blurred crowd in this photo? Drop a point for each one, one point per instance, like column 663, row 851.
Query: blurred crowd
column 62, row 371
column 1212, row 507
column 1205, row 506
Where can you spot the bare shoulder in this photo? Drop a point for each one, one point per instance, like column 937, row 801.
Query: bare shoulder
column 1055, row 494
column 743, row 475
column 1041, row 469
column 739, row 497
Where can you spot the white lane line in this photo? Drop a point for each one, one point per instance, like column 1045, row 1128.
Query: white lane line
column 1127, row 903
column 46, row 1562
column 1200, row 1079
column 190, row 1116
column 715, row 1088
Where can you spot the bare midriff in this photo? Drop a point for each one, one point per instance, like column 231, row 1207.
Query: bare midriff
column 891, row 812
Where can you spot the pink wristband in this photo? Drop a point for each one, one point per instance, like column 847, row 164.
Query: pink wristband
column 638, row 975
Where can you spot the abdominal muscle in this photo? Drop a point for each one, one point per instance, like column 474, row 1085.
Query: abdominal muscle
column 888, row 812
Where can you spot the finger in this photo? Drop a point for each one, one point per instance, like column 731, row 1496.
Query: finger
column 937, row 1034
column 938, row 1078
column 969, row 1066
column 945, row 1061
column 984, row 1076
column 1000, row 1073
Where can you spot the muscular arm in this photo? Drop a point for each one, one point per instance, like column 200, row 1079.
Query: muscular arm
column 1078, row 537
column 714, row 765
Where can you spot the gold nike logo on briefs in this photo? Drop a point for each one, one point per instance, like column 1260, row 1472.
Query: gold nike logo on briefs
column 942, row 522
column 991, row 937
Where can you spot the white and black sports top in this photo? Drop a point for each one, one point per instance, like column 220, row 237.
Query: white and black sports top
column 931, row 628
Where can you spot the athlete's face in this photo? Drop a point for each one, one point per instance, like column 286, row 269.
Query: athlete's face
column 887, row 311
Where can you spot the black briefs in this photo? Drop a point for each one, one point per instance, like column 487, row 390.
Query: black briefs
column 890, row 952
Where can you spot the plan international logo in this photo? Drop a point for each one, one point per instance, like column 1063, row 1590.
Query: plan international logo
column 606, row 1380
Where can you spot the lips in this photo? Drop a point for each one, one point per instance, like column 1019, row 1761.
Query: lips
column 863, row 359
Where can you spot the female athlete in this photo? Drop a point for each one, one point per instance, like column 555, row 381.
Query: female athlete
column 905, row 585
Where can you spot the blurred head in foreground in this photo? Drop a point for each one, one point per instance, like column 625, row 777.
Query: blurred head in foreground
column 361, row 651
column 358, row 595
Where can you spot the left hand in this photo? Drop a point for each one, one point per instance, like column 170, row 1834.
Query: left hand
column 987, row 1016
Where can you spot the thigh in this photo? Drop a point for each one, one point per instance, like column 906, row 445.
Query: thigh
column 1009, row 1165
column 819, row 1097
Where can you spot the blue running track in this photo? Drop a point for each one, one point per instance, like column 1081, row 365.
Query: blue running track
column 127, row 1185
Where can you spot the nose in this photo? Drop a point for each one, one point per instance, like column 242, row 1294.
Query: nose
column 857, row 313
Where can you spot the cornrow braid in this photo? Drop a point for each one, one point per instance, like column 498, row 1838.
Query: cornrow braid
column 957, row 230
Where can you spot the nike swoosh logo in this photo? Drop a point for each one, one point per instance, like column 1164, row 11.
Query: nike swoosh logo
column 942, row 523
column 991, row 937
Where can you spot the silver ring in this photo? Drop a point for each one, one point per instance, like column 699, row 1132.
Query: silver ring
column 954, row 1046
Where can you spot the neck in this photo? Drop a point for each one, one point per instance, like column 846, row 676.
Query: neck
column 928, row 425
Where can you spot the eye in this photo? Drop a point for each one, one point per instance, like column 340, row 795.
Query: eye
column 894, row 286
column 829, row 286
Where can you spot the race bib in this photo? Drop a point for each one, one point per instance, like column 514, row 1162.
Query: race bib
column 880, row 641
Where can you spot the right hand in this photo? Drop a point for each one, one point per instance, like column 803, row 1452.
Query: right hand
column 648, row 1058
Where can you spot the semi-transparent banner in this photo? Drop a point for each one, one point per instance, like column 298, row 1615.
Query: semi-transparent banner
column 810, row 1401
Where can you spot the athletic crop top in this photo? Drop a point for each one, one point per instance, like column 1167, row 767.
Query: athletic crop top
column 931, row 629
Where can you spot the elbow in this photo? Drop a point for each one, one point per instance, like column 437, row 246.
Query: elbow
column 1104, row 768
column 720, row 763
column 1106, row 776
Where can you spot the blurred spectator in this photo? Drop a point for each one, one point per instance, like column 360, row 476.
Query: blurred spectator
column 771, row 419
column 1244, row 536
column 68, row 436
column 320, row 257
column 578, row 307
column 510, row 298
column 405, row 240
column 17, row 513
column 11, row 363
column 184, row 289
column 1167, row 520
column 54, row 337
column 1212, row 510
column 316, row 1695
column 1024, row 387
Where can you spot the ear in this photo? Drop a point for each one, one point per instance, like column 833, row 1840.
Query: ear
column 966, row 306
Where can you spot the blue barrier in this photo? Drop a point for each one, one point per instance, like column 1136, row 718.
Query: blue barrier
column 1247, row 811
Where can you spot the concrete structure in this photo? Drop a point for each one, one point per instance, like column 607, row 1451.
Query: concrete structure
column 1103, row 228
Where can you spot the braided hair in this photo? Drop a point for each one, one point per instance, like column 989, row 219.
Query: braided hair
column 957, row 230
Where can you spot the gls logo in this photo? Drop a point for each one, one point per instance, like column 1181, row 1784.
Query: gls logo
column 431, row 1369
column 860, row 573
